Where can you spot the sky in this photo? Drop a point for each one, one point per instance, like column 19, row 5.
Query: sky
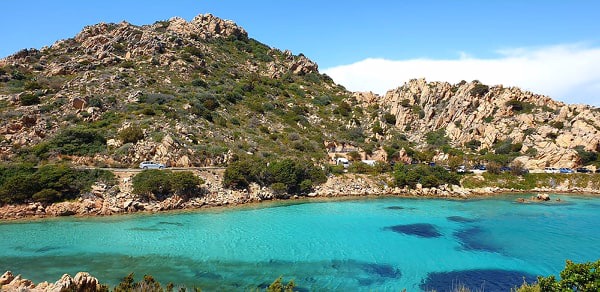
column 549, row 47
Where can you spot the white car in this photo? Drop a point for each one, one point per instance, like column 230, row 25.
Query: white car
column 551, row 170
column 151, row 165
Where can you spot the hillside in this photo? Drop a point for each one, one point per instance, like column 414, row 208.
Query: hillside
column 202, row 92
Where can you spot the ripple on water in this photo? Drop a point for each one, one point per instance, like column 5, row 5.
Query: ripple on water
column 418, row 229
column 476, row 280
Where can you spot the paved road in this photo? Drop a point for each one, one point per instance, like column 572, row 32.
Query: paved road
column 139, row 169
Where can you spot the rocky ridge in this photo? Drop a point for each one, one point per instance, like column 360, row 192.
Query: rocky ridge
column 550, row 127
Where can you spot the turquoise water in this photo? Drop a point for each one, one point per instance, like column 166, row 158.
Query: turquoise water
column 375, row 244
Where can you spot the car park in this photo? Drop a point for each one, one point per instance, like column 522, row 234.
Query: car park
column 151, row 165
column 565, row 170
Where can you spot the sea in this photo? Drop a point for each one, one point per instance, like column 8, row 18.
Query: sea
column 369, row 244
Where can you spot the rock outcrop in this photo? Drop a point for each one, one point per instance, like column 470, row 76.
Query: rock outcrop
column 81, row 282
column 548, row 131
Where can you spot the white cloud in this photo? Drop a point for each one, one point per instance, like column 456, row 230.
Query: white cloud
column 570, row 73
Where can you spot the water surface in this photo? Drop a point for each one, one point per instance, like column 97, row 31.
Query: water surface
column 376, row 244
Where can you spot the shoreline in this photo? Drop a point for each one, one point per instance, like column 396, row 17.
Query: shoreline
column 118, row 200
column 268, row 203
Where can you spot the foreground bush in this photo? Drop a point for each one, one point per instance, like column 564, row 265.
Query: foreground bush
column 160, row 184
column 575, row 277
column 22, row 183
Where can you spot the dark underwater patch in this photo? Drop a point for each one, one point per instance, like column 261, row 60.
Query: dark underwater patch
column 461, row 219
column 170, row 223
column 476, row 280
column 474, row 238
column 395, row 208
column 425, row 230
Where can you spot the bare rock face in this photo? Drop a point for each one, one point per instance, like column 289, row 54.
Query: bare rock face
column 549, row 131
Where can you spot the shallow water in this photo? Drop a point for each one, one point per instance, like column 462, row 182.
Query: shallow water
column 376, row 244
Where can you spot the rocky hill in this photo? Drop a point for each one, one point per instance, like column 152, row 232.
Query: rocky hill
column 202, row 92
column 538, row 130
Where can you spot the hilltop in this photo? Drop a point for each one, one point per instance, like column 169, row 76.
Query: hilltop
column 202, row 93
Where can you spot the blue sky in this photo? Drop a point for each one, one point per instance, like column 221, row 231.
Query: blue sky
column 550, row 47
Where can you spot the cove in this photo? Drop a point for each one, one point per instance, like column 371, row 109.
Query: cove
column 357, row 245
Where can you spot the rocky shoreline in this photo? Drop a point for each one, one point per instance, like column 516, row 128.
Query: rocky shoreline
column 105, row 201
column 81, row 282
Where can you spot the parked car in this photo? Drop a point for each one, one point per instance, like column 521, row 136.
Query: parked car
column 565, row 170
column 151, row 165
column 598, row 170
column 551, row 170
column 505, row 168
column 461, row 169
column 479, row 167
column 583, row 170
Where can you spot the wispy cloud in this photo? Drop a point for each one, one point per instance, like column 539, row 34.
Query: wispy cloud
column 570, row 73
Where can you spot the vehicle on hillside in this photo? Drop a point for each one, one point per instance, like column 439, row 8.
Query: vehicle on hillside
column 479, row 167
column 565, row 170
column 342, row 161
column 505, row 168
column 583, row 170
column 598, row 170
column 151, row 165
column 551, row 170
column 461, row 169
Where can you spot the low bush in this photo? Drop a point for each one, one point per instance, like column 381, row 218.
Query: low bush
column 297, row 177
column 22, row 183
column 427, row 176
column 131, row 134
column 29, row 99
column 73, row 141
column 574, row 277
column 158, row 184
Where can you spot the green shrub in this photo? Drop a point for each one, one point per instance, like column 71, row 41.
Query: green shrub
column 297, row 177
column 389, row 118
column 473, row 144
column 29, row 99
column 74, row 141
column 47, row 196
column 586, row 157
column 574, row 277
column 131, row 134
column 411, row 175
column 437, row 138
column 186, row 183
column 152, row 184
column 479, row 90
column 48, row 183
